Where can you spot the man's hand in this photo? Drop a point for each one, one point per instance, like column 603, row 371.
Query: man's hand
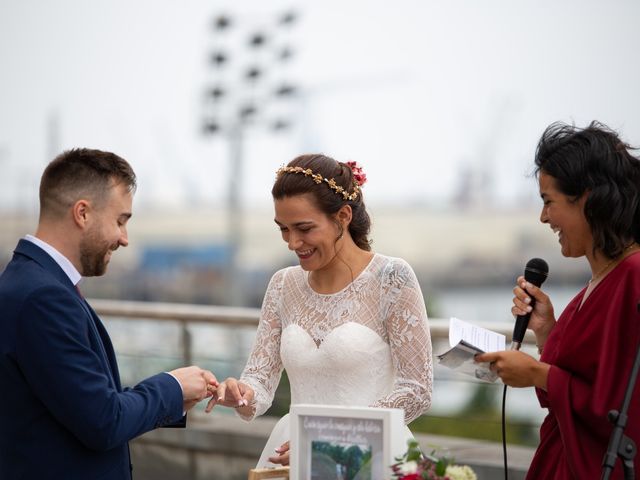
column 197, row 384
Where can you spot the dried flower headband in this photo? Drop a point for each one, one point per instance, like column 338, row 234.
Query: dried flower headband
column 359, row 179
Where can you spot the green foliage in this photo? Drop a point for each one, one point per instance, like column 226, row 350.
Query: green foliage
column 281, row 399
column 480, row 419
column 413, row 452
column 441, row 468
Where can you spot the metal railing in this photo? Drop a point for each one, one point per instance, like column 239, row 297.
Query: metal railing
column 183, row 314
column 186, row 314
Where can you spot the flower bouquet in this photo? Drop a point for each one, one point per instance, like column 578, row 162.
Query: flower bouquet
column 413, row 465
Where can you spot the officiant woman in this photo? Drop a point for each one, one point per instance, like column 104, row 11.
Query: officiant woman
column 590, row 187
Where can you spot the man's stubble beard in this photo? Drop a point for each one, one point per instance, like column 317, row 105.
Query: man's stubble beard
column 93, row 252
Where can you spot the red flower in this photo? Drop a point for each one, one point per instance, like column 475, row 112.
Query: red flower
column 412, row 476
column 359, row 175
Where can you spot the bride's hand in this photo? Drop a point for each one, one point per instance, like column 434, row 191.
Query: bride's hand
column 231, row 393
column 283, row 455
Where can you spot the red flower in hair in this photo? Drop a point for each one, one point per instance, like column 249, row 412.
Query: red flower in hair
column 359, row 176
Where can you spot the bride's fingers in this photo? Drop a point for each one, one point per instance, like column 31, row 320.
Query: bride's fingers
column 229, row 393
column 246, row 392
column 212, row 403
column 234, row 390
column 221, row 392
column 280, row 459
column 283, row 454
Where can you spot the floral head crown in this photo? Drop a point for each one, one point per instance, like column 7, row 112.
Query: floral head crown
column 359, row 177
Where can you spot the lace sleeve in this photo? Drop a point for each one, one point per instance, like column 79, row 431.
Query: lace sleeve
column 264, row 367
column 410, row 341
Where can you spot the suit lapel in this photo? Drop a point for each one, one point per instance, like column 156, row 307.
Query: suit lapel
column 107, row 345
column 105, row 348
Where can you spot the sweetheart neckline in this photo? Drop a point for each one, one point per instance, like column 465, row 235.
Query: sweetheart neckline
column 322, row 341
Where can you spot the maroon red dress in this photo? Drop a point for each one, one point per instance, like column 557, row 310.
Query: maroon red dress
column 591, row 351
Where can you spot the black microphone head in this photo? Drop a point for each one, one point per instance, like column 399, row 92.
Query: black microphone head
column 536, row 271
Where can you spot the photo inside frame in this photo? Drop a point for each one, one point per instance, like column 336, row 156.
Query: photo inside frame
column 340, row 460
column 342, row 448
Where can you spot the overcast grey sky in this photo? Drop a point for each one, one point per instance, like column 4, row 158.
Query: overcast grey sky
column 414, row 90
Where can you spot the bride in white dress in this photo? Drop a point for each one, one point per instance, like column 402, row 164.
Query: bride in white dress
column 348, row 325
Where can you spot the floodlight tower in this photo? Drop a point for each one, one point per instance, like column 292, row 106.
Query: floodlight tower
column 248, row 89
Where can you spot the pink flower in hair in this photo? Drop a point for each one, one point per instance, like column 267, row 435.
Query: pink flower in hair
column 358, row 174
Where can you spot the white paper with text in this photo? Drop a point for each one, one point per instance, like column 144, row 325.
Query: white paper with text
column 479, row 337
column 466, row 341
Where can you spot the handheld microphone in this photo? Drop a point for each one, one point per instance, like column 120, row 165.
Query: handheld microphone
column 536, row 273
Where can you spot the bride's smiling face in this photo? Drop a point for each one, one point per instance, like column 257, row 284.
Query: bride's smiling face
column 308, row 231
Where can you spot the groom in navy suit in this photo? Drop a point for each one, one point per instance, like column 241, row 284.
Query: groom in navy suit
column 63, row 413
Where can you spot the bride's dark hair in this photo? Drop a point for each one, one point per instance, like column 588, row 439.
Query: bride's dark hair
column 328, row 200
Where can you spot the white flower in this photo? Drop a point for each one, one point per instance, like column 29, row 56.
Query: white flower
column 409, row 467
column 460, row 472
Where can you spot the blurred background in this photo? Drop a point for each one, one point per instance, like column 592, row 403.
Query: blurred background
column 441, row 102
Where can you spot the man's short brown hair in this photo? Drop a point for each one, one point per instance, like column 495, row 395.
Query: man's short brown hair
column 82, row 173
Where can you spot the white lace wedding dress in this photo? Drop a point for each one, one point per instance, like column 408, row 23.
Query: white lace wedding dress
column 367, row 345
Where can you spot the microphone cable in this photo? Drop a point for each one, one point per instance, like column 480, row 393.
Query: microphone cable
column 535, row 272
column 504, row 433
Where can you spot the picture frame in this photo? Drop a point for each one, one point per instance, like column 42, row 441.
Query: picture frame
column 345, row 443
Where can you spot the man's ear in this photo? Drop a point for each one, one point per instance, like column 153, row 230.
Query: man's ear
column 81, row 212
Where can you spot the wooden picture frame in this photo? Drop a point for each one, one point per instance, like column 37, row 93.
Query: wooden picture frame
column 277, row 473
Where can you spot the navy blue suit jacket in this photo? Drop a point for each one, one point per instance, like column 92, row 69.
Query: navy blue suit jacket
column 63, row 413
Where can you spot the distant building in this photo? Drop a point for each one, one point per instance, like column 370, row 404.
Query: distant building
column 182, row 255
